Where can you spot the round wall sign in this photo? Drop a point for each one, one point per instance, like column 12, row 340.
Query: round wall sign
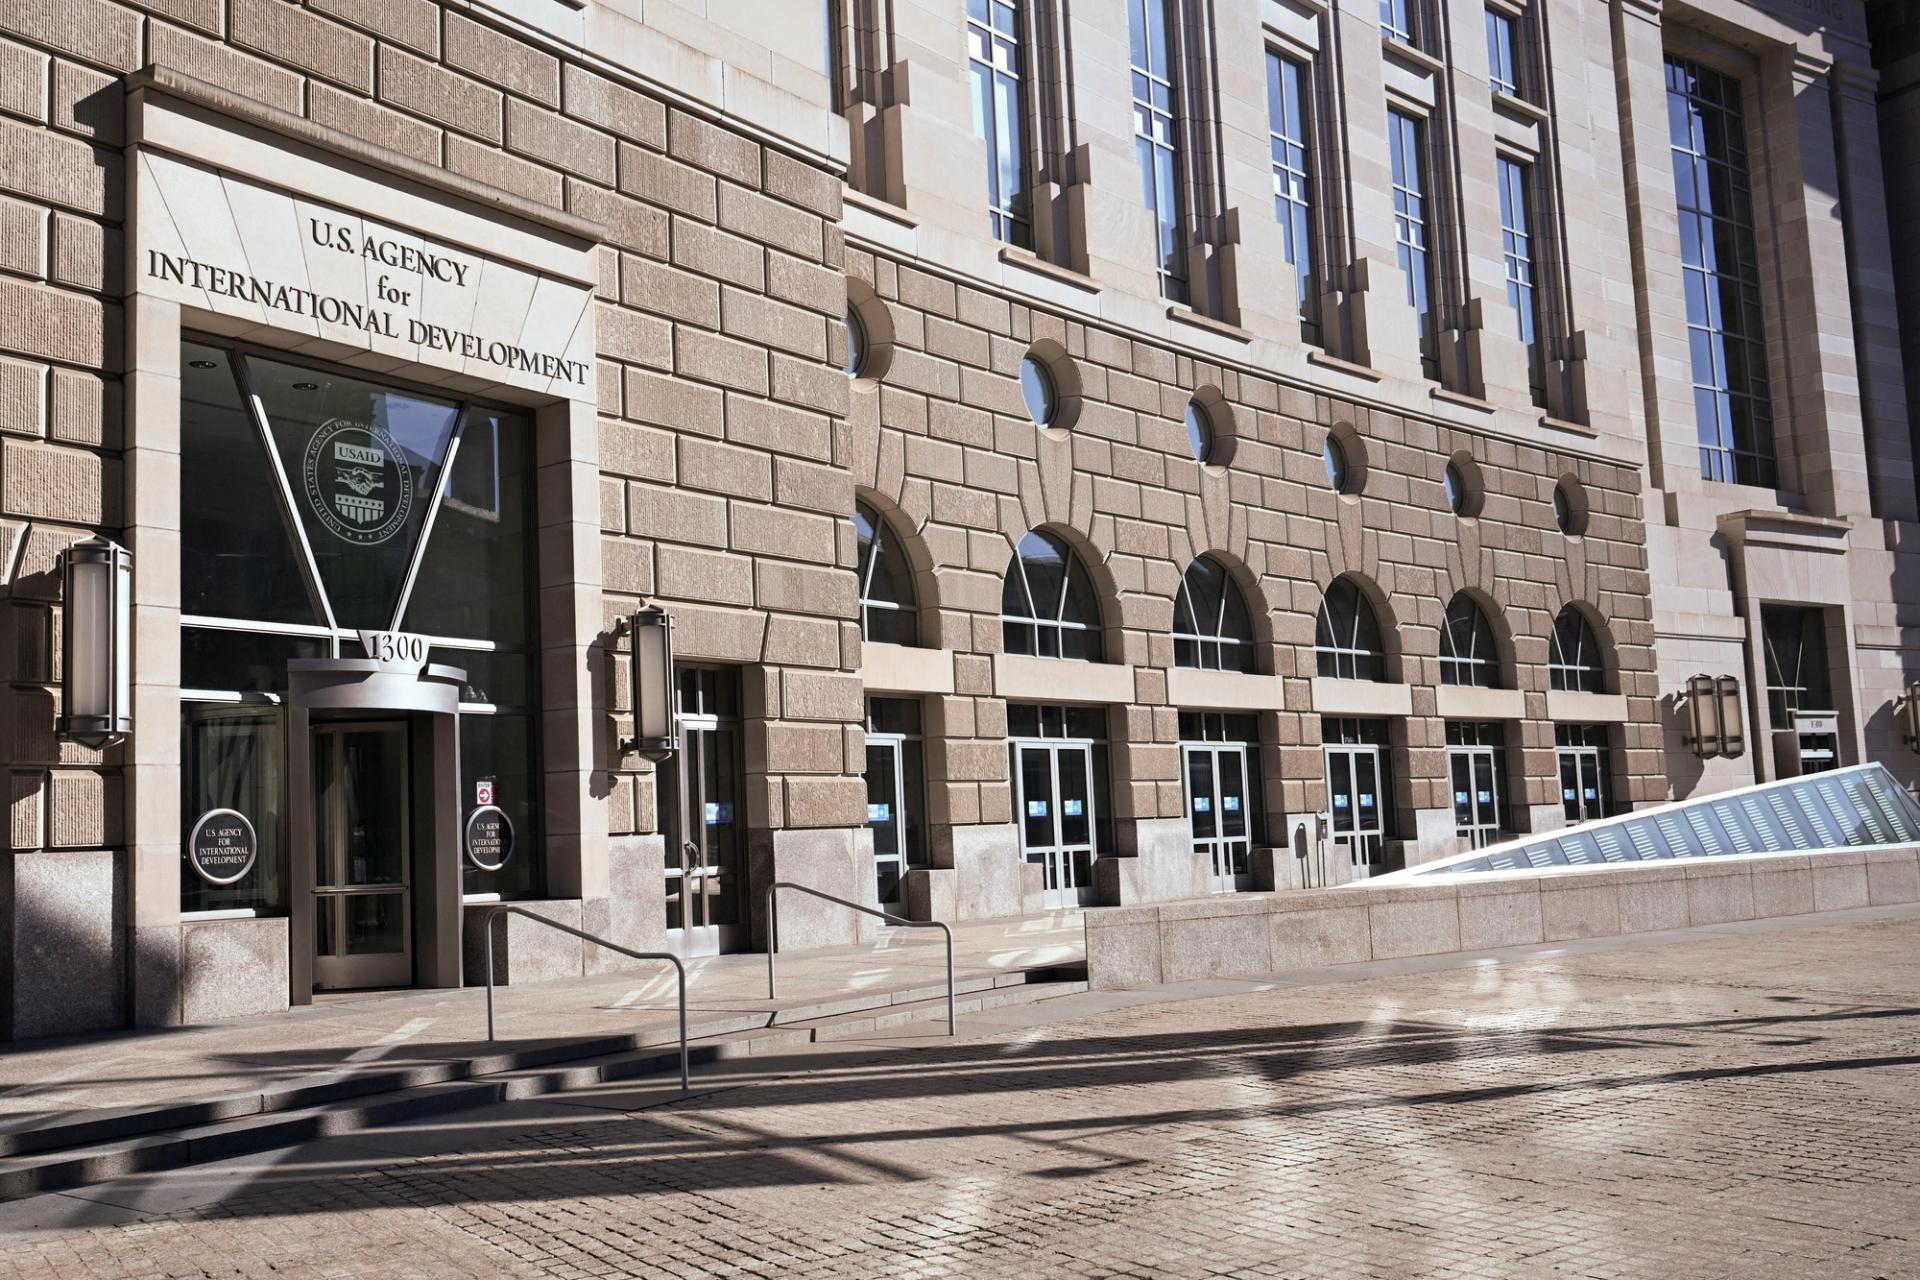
column 357, row 482
column 221, row 847
column 489, row 837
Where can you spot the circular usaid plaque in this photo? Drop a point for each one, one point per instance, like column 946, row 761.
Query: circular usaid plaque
column 222, row 846
column 357, row 481
column 489, row 837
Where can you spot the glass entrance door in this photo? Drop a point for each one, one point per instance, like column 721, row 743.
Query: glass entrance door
column 362, row 894
column 1053, row 789
column 1476, row 794
column 1354, row 784
column 1217, row 809
column 884, row 816
column 706, row 838
column 1582, row 785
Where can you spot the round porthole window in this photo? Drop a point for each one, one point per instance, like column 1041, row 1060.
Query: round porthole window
column 1199, row 432
column 1569, row 508
column 1335, row 458
column 1456, row 487
column 856, row 344
column 1036, row 386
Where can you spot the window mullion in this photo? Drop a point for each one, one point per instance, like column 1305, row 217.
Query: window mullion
column 433, row 511
column 309, row 563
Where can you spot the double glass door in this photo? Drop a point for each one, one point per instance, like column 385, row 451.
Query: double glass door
column 1476, row 794
column 1053, row 784
column 1218, row 809
column 1355, row 782
column 896, row 784
column 701, row 793
column 363, row 864
column 1583, row 784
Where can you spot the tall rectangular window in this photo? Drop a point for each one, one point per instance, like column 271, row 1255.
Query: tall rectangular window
column 1155, row 141
column 1720, row 264
column 1406, row 140
column 1516, row 236
column 1396, row 20
column 995, row 65
column 1289, row 89
column 1502, row 66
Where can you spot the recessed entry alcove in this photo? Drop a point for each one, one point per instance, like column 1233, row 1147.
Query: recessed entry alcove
column 363, row 406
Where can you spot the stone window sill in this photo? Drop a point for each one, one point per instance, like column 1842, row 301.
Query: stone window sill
column 1039, row 266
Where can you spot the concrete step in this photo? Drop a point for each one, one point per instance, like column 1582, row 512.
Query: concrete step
column 80, row 1149
column 857, row 1025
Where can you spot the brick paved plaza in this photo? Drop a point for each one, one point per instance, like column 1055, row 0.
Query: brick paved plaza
column 1739, row 1103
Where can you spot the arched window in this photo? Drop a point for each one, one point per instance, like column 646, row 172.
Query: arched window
column 1211, row 627
column 1347, row 636
column 887, row 611
column 1574, row 664
column 1047, row 605
column 1467, row 652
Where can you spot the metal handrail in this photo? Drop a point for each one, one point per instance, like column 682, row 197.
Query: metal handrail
column 773, row 937
column 673, row 960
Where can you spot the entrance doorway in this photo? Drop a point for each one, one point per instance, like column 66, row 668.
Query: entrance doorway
column 706, row 839
column 363, row 863
column 1584, row 770
column 896, row 787
column 1357, row 785
column 1476, row 767
column 1054, row 793
column 1060, row 795
column 1218, row 759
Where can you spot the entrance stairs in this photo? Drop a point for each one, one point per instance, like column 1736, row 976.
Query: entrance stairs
column 51, row 1151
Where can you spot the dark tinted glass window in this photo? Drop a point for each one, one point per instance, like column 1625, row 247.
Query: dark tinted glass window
column 1047, row 604
column 1347, row 635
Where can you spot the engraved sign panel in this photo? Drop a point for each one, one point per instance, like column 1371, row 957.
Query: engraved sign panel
column 272, row 258
column 222, row 846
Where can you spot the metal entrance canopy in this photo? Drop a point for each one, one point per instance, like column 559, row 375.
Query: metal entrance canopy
column 1831, row 812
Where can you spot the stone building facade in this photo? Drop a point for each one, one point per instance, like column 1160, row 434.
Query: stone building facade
column 1272, row 467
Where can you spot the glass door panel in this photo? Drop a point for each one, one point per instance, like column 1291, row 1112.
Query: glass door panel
column 1057, row 819
column 884, row 816
column 1353, row 798
column 1074, row 773
column 363, row 857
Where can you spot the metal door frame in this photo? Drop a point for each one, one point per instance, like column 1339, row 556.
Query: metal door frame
column 387, row 969
column 1059, row 852
column 704, row 938
column 1216, row 846
column 1486, row 831
column 894, row 744
column 1355, row 841
column 1583, row 757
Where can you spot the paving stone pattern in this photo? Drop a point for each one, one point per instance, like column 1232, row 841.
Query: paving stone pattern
column 1738, row 1106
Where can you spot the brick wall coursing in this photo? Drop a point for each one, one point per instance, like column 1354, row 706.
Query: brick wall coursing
column 944, row 446
column 720, row 283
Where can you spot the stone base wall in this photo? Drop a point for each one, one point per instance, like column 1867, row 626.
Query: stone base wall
column 1252, row 935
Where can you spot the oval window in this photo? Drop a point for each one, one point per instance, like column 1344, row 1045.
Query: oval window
column 1036, row 385
column 856, row 344
column 1456, row 486
column 1335, row 458
column 1199, row 432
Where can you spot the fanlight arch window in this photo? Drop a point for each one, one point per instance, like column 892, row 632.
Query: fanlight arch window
column 1212, row 629
column 1468, row 655
column 1574, row 665
column 1048, row 608
column 1347, row 637
column 888, row 611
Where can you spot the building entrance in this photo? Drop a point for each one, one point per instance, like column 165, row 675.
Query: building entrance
column 1583, row 758
column 706, row 853
column 363, row 891
column 1218, row 809
column 1055, row 797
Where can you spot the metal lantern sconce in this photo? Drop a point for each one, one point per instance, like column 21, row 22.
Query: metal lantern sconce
column 96, row 673
column 654, row 726
column 1713, row 717
column 1910, row 716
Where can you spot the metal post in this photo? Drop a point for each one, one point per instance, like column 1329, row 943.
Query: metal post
column 491, row 917
column 681, row 969
column 953, row 1016
column 773, row 938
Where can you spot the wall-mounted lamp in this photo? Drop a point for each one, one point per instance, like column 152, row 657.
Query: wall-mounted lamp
column 1713, row 717
column 1910, row 716
column 654, row 727
column 96, row 676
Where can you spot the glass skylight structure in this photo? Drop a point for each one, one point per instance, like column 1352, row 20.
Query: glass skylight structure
column 1823, row 813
